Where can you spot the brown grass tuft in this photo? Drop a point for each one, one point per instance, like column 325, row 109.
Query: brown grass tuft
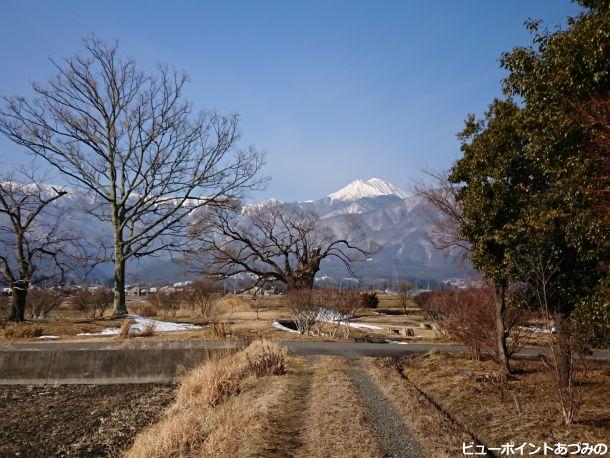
column 147, row 331
column 219, row 406
column 21, row 331
column 221, row 329
column 124, row 332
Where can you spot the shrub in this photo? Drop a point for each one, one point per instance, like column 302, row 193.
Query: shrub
column 343, row 306
column 92, row 303
column 468, row 316
column 201, row 296
column 39, row 302
column 21, row 331
column 304, row 308
column 166, row 302
column 369, row 300
column 148, row 311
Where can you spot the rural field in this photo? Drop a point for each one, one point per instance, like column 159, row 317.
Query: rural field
column 266, row 401
column 263, row 402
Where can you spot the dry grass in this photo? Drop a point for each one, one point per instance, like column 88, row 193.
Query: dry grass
column 221, row 329
column 436, row 434
column 336, row 423
column 147, row 311
column 147, row 331
column 221, row 407
column 21, row 331
column 468, row 390
column 124, row 331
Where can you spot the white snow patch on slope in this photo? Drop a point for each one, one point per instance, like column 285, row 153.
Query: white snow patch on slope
column 49, row 337
column 281, row 327
column 374, row 187
column 141, row 323
column 330, row 316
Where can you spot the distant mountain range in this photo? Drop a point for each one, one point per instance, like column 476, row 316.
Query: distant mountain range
column 392, row 218
column 385, row 213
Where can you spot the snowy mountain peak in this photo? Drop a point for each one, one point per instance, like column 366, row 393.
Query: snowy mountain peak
column 374, row 187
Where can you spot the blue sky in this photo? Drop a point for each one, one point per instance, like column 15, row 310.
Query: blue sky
column 331, row 90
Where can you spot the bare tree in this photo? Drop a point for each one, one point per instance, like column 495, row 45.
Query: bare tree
column 202, row 295
column 404, row 294
column 33, row 244
column 542, row 269
column 273, row 243
column 134, row 143
column 443, row 212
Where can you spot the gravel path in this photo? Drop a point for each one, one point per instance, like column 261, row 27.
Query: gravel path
column 392, row 432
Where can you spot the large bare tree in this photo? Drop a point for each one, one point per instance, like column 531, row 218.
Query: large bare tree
column 273, row 242
column 134, row 143
column 34, row 245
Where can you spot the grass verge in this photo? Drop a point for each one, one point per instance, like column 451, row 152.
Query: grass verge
column 523, row 410
column 223, row 408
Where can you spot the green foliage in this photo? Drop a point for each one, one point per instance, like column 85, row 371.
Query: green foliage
column 528, row 174
column 590, row 320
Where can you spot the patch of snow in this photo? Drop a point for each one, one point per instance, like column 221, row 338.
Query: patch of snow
column 330, row 316
column 362, row 326
column 49, row 337
column 537, row 329
column 281, row 327
column 397, row 342
column 141, row 323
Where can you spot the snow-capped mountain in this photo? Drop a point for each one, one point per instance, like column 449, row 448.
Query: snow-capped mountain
column 389, row 217
column 373, row 187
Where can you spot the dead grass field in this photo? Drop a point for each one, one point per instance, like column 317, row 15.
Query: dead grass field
column 245, row 320
column 489, row 408
column 335, row 422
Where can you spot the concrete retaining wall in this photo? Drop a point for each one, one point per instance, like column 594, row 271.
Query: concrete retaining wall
column 100, row 366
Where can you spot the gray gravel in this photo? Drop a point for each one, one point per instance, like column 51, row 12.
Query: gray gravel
column 394, row 436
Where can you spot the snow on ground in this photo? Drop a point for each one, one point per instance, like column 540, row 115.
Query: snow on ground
column 48, row 337
column 329, row 316
column 397, row 342
column 537, row 329
column 281, row 327
column 141, row 323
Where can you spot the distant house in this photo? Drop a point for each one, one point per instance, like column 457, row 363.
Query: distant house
column 167, row 289
column 182, row 284
column 132, row 290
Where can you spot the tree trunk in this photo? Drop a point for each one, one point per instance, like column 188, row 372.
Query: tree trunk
column 20, row 292
column 564, row 351
column 503, row 359
column 119, row 286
